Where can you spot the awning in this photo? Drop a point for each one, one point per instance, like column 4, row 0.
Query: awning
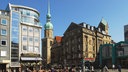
column 31, row 58
column 15, row 64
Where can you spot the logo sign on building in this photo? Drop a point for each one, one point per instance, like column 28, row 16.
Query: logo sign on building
column 89, row 59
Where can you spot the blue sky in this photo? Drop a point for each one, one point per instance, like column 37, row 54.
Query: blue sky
column 63, row 12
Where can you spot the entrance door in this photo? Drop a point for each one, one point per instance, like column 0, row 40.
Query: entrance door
column 2, row 67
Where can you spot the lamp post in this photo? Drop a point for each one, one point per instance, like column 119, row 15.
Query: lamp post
column 36, row 61
column 64, row 63
column 83, row 67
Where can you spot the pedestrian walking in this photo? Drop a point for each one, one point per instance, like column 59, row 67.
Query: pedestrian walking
column 92, row 69
column 105, row 69
column 113, row 67
column 52, row 70
column 119, row 68
column 80, row 70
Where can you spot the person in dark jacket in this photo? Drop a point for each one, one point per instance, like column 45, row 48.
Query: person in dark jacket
column 119, row 68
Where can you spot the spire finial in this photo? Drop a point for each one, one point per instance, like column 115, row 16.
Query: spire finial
column 48, row 14
column 48, row 6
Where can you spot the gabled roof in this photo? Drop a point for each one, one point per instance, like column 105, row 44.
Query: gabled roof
column 72, row 26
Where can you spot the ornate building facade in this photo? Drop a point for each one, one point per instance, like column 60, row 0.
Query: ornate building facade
column 81, row 42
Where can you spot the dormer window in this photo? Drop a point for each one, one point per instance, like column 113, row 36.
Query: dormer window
column 99, row 29
column 88, row 27
column 91, row 28
column 84, row 25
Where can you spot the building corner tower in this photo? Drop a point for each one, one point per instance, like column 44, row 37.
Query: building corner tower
column 47, row 41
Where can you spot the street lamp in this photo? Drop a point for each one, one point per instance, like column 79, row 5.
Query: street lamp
column 64, row 62
column 83, row 67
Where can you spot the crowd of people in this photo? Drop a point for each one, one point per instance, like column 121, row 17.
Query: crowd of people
column 54, row 70
column 73, row 69
column 66, row 69
column 105, row 68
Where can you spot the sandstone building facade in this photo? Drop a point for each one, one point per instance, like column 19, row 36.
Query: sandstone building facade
column 81, row 42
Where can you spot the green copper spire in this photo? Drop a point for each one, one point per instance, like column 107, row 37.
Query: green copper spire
column 48, row 24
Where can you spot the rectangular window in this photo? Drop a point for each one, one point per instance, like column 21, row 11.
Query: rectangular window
column 79, row 55
column 86, row 55
column 86, row 49
column 24, row 38
column 3, row 42
column 93, row 55
column 36, row 39
column 30, row 39
column 3, row 32
column 36, row 30
column 28, row 12
column 4, row 21
column 30, row 48
column 35, row 22
column 30, row 29
column 3, row 53
column 36, row 49
column 79, row 46
column 50, row 43
column 24, row 28
column 93, row 48
column 24, row 47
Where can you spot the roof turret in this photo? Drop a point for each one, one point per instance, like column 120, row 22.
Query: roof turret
column 103, row 21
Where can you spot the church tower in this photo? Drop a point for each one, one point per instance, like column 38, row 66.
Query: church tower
column 47, row 41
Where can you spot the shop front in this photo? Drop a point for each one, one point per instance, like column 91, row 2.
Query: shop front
column 2, row 67
column 30, row 63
